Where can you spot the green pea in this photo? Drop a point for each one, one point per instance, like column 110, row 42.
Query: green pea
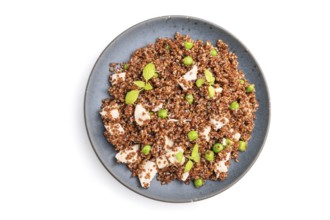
column 146, row 149
column 188, row 45
column 198, row 182
column 187, row 61
column 242, row 146
column 156, row 75
column 213, row 53
column 167, row 47
column 217, row 147
column 189, row 98
column 162, row 113
column 188, row 166
column 126, row 65
column 250, row 88
column 229, row 142
column 192, row 135
column 234, row 105
column 200, row 82
column 209, row 155
column 241, row 81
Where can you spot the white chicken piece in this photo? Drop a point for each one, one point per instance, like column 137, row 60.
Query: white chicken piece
column 149, row 171
column 206, row 133
column 185, row 176
column 224, row 141
column 171, row 155
column 237, row 136
column 218, row 123
column 168, row 142
column 158, row 107
column 220, row 167
column 161, row 162
column 116, row 76
column 111, row 111
column 218, row 90
column 185, row 80
column 141, row 114
column 121, row 156
column 114, row 128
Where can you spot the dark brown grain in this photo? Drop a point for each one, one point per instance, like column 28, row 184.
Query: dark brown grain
column 195, row 116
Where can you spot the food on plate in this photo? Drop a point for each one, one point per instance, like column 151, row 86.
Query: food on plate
column 179, row 109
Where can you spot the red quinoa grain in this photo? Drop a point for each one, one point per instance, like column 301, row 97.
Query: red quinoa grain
column 196, row 116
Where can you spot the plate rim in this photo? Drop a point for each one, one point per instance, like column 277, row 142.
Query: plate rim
column 210, row 194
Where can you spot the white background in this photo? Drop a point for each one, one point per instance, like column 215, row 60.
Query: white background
column 48, row 169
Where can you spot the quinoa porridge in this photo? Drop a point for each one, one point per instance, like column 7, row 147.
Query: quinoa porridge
column 179, row 109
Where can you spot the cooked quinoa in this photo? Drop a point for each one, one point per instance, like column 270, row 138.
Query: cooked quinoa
column 150, row 125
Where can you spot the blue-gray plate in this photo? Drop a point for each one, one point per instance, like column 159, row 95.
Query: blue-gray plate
column 119, row 50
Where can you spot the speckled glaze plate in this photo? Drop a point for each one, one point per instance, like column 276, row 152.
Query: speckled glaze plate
column 119, row 50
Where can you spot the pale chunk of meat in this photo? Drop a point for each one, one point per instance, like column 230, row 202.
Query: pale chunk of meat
column 149, row 171
column 206, row 133
column 185, row 176
column 116, row 76
column 114, row 113
column 111, row 111
column 161, row 162
column 237, row 136
column 141, row 114
column 218, row 122
column 224, row 141
column 115, row 128
column 132, row 152
column 221, row 167
column 218, row 90
column 171, row 155
column 185, row 80
column 157, row 107
column 191, row 74
column 168, row 142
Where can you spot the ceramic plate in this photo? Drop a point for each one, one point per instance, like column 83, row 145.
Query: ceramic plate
column 119, row 50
